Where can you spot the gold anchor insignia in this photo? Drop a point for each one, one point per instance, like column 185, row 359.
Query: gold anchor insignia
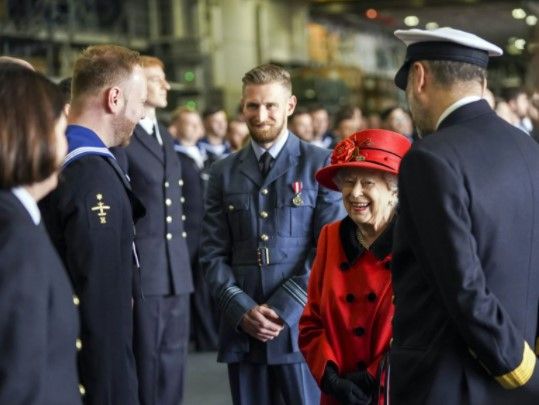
column 101, row 209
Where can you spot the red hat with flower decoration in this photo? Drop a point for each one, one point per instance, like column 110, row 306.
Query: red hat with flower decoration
column 376, row 149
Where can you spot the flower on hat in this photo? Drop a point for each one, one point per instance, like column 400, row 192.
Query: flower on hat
column 343, row 151
column 349, row 150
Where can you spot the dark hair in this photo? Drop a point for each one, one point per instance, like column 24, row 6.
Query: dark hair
column 101, row 66
column 386, row 112
column 511, row 93
column 211, row 110
column 317, row 107
column 65, row 88
column 30, row 106
column 298, row 111
column 448, row 72
column 344, row 113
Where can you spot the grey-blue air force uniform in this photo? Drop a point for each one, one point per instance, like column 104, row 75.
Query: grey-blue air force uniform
column 38, row 319
column 162, row 315
column 257, row 247
column 466, row 265
column 90, row 220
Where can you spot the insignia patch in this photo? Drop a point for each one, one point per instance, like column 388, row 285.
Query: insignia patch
column 101, row 209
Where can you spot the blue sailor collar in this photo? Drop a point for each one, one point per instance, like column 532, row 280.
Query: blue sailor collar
column 83, row 141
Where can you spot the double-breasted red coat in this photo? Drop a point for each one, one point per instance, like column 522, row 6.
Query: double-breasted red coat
column 347, row 318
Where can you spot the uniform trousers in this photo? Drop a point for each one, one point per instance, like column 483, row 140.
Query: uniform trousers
column 160, row 344
column 276, row 384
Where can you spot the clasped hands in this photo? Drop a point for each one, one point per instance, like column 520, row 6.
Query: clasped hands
column 351, row 389
column 262, row 323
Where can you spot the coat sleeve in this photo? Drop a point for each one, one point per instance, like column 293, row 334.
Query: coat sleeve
column 313, row 342
column 215, row 250
column 435, row 201
column 23, row 321
column 290, row 298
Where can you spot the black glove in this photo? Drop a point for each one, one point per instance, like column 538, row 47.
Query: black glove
column 363, row 380
column 345, row 391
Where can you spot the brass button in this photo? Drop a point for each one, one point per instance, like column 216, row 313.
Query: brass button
column 182, row 200
column 82, row 390
column 264, row 214
column 264, row 237
column 184, row 234
column 183, row 217
column 264, row 191
column 78, row 344
column 76, row 300
column 169, row 236
column 180, row 182
column 166, row 184
column 168, row 201
column 231, row 207
column 169, row 219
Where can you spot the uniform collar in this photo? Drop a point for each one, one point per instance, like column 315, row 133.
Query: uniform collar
column 455, row 105
column 353, row 249
column 147, row 124
column 82, row 141
column 274, row 150
column 28, row 202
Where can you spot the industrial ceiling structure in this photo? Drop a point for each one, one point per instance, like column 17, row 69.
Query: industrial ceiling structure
column 510, row 24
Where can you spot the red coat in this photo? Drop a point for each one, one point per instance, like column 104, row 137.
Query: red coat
column 347, row 319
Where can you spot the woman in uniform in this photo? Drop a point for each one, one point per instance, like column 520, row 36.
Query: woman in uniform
column 38, row 320
column 345, row 328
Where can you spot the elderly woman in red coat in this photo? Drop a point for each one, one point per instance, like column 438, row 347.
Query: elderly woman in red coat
column 345, row 328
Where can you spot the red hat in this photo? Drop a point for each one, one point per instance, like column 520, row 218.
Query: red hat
column 376, row 149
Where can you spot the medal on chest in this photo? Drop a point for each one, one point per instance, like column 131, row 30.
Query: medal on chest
column 297, row 186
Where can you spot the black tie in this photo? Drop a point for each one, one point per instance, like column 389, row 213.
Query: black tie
column 154, row 132
column 265, row 163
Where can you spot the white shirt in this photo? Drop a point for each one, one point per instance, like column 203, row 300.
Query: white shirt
column 28, row 202
column 273, row 150
column 148, row 124
column 455, row 105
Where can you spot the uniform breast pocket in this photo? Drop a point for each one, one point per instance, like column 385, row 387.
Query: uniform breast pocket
column 237, row 208
column 295, row 218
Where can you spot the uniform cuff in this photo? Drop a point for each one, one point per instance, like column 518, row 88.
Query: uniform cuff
column 234, row 303
column 288, row 301
column 520, row 375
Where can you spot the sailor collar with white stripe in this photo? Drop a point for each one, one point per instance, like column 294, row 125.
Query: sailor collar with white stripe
column 83, row 141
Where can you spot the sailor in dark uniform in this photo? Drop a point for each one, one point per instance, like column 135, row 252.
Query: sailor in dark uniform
column 90, row 219
column 162, row 316
column 466, row 250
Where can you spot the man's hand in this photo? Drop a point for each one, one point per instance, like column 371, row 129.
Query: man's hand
column 262, row 323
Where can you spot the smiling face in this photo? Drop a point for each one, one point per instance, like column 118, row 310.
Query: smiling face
column 368, row 197
column 266, row 108
column 133, row 97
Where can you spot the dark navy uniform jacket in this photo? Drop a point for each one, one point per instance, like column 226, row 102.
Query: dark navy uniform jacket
column 90, row 220
column 156, row 179
column 195, row 179
column 466, row 265
column 258, row 246
column 38, row 320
